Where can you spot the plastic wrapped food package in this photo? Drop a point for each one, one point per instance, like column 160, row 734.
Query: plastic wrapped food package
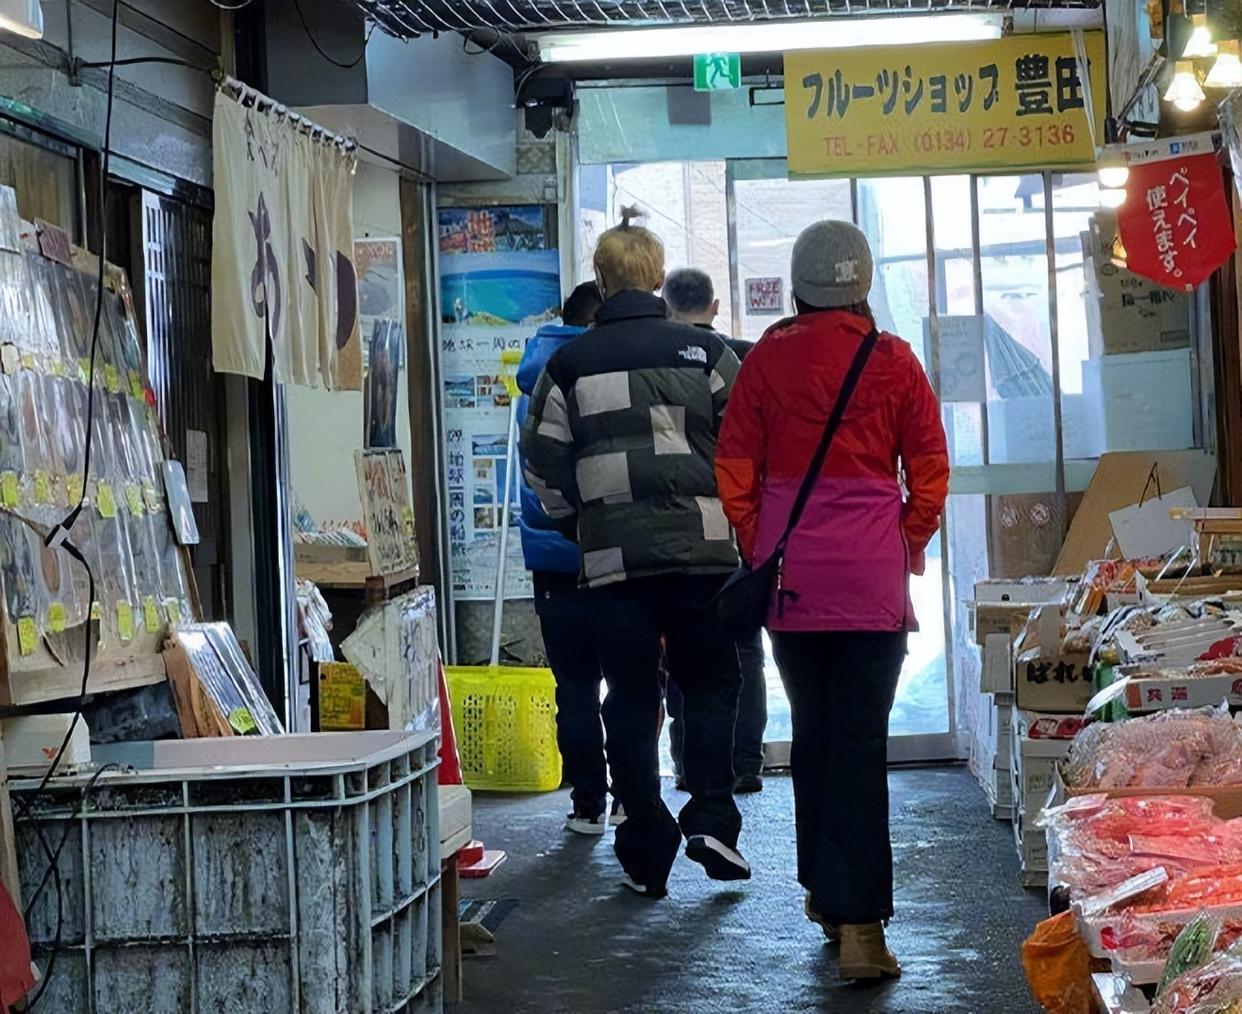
column 1166, row 750
column 1213, row 988
column 1091, row 850
column 1192, row 948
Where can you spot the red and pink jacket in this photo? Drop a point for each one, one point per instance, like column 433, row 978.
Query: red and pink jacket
column 848, row 563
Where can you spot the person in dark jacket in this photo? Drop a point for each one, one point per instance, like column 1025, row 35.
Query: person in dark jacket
column 621, row 437
column 691, row 299
column 565, row 613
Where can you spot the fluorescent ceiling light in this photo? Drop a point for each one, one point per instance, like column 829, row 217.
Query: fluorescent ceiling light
column 770, row 37
column 22, row 17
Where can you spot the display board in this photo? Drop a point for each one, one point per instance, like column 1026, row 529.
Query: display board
column 124, row 531
column 1014, row 102
column 499, row 282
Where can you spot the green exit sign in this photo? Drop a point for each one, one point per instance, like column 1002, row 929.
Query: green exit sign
column 717, row 72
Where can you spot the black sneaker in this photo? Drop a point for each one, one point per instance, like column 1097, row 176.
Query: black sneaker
column 720, row 861
column 745, row 784
column 582, row 823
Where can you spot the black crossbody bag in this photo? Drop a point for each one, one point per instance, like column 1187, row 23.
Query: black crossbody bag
column 743, row 601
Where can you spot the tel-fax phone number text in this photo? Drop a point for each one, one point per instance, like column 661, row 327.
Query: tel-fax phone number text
column 950, row 139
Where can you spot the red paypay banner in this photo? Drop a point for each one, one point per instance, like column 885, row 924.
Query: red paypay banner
column 1175, row 224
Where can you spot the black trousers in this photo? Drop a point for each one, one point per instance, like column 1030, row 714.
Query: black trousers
column 633, row 616
column 752, row 712
column 567, row 618
column 841, row 688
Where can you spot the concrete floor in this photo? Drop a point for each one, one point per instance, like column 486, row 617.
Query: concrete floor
column 578, row 942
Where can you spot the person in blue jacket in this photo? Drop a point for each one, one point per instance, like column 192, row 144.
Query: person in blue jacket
column 565, row 613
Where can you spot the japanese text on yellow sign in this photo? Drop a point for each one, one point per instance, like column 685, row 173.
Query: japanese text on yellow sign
column 1011, row 103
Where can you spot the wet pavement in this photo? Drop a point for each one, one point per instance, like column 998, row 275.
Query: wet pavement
column 578, row 942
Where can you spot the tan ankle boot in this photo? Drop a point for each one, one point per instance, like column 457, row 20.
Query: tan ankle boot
column 865, row 955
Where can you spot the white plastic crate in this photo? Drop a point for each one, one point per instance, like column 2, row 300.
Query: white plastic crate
column 287, row 873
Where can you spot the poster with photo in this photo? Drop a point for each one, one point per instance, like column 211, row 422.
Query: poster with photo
column 498, row 285
column 488, row 230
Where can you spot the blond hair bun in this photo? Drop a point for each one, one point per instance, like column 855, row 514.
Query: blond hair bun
column 629, row 257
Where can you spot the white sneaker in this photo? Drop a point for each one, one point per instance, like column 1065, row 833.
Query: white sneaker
column 582, row 824
column 617, row 817
column 720, row 861
column 654, row 893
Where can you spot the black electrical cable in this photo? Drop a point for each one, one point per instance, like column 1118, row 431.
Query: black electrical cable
column 59, row 535
column 133, row 61
column 297, row 5
column 53, row 867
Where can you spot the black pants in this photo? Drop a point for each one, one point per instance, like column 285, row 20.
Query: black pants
column 567, row 617
column 752, row 712
column 841, row 688
column 633, row 616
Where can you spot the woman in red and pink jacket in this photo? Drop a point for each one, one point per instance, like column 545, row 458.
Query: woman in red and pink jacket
column 841, row 615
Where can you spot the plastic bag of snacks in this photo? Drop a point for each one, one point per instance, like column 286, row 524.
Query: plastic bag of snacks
column 1192, row 948
column 1214, row 988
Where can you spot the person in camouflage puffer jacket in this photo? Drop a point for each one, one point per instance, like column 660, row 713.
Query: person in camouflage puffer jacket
column 621, row 438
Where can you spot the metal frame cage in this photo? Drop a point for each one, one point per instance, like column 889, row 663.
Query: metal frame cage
column 410, row 18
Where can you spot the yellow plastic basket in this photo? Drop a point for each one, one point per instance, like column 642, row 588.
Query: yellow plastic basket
column 504, row 718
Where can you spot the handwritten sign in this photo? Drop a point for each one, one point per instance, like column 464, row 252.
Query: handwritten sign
column 1014, row 102
column 764, row 296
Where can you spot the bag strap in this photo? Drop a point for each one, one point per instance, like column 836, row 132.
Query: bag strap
column 834, row 421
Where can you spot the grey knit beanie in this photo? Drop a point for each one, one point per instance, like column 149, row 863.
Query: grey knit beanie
column 832, row 265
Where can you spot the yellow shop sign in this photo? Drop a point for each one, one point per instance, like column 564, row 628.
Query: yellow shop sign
column 1013, row 103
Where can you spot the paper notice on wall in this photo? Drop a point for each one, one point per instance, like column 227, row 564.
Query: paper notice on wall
column 961, row 357
column 765, row 296
column 196, row 471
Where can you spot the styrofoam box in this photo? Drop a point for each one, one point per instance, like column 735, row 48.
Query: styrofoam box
column 996, row 675
column 1034, row 770
column 993, row 732
column 1140, row 401
column 1032, row 844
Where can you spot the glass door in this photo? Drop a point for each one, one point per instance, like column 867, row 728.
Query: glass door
column 768, row 213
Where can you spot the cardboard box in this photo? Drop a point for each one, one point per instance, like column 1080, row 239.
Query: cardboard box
column 1125, row 312
column 1140, row 401
column 1025, row 533
column 1226, row 799
column 1053, row 682
column 1144, row 694
column 1003, row 606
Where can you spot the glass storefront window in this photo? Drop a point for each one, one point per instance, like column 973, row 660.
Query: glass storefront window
column 996, row 324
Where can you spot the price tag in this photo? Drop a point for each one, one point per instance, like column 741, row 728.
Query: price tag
column 10, row 489
column 96, row 612
column 407, row 515
column 112, row 378
column 133, row 499
column 28, row 360
column 27, row 635
column 42, row 487
column 172, row 609
column 125, row 621
column 84, row 369
column 151, row 497
column 151, row 615
column 73, row 486
column 10, row 358
column 136, row 387
column 242, row 721
column 105, row 499
column 56, row 617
